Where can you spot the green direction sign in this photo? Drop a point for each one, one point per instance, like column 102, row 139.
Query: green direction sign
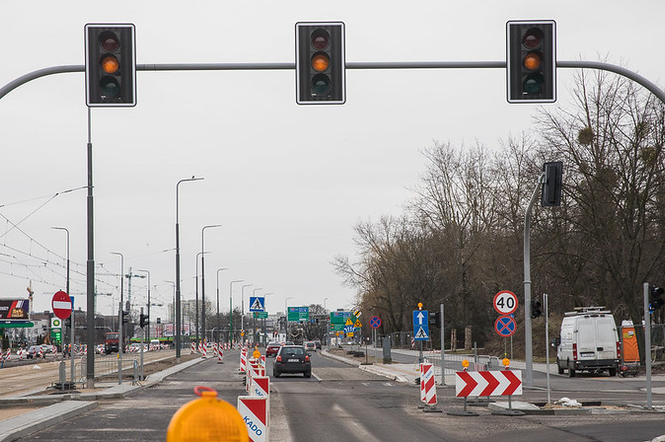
column 339, row 317
column 337, row 327
column 261, row 315
column 298, row 314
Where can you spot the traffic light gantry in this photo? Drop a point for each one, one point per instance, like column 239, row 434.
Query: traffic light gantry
column 110, row 65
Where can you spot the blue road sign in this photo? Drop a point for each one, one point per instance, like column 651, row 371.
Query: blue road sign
column 257, row 304
column 505, row 326
column 348, row 329
column 375, row 322
column 420, row 325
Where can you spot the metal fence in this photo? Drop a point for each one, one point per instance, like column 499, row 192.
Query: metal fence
column 107, row 366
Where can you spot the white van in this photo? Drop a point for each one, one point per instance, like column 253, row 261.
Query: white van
column 588, row 341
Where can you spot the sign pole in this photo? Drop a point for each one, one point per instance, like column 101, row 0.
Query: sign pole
column 443, row 353
column 547, row 347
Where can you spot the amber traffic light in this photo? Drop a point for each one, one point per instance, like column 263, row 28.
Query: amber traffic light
column 110, row 65
column 320, row 64
column 531, row 61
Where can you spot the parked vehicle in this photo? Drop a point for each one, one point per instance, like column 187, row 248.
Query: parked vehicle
column 292, row 359
column 588, row 342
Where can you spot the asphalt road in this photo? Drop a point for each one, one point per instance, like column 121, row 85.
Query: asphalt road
column 340, row 403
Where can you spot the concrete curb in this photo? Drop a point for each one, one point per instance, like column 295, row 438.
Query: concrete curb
column 20, row 426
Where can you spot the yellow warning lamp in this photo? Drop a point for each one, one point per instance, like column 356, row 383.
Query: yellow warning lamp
column 207, row 419
column 465, row 364
column 420, row 306
column 506, row 362
column 257, row 353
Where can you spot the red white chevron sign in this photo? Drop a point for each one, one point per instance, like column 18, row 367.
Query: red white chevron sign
column 488, row 383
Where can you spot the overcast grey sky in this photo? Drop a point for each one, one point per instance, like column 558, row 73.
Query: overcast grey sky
column 287, row 182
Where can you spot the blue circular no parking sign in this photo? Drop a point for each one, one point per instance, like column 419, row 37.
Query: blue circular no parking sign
column 505, row 326
column 375, row 322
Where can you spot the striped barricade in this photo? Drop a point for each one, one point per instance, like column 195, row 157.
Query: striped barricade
column 255, row 411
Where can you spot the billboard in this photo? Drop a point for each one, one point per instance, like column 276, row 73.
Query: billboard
column 14, row 309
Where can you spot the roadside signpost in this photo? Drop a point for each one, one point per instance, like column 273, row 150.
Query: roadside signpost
column 257, row 304
column 505, row 326
column 420, row 325
column 505, row 302
column 62, row 305
column 298, row 314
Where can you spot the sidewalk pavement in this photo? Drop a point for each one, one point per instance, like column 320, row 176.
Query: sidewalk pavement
column 53, row 409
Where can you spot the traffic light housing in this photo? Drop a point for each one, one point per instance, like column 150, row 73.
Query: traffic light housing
column 110, row 65
column 531, row 61
column 656, row 300
column 125, row 317
column 320, row 63
column 551, row 195
column 144, row 320
column 536, row 311
column 435, row 319
column 68, row 322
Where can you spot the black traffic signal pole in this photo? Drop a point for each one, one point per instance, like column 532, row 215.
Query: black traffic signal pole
column 650, row 86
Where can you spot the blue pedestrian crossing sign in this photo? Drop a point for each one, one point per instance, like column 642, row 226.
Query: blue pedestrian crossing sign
column 420, row 325
column 257, row 304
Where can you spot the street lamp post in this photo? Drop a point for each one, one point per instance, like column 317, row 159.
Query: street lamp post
column 71, row 318
column 265, row 295
column 286, row 316
column 120, row 327
column 203, row 278
column 196, row 291
column 219, row 327
column 231, row 309
column 177, row 268
column 242, row 307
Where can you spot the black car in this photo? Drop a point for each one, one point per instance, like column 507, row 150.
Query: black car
column 292, row 359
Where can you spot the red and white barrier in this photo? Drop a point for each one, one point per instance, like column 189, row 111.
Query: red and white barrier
column 8, row 354
column 488, row 383
column 219, row 356
column 192, row 348
column 204, row 351
column 260, row 386
column 427, row 385
column 255, row 411
column 243, row 359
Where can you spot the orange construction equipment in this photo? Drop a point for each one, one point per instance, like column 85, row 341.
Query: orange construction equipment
column 630, row 355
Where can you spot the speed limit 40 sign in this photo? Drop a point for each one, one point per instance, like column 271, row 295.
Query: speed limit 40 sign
column 505, row 302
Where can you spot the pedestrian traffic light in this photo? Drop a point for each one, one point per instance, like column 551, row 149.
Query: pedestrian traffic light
column 125, row 317
column 110, row 65
column 144, row 320
column 656, row 300
column 531, row 61
column 320, row 63
column 551, row 195
column 535, row 308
